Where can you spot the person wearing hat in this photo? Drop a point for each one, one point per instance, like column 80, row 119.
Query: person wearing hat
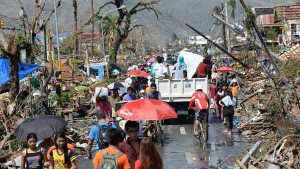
column 142, row 94
column 200, row 100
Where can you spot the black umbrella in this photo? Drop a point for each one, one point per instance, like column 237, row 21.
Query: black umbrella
column 44, row 126
column 117, row 85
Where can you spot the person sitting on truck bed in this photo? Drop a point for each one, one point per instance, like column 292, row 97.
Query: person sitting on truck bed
column 153, row 94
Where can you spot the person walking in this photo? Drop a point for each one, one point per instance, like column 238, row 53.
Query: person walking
column 234, row 86
column 33, row 157
column 111, row 157
column 131, row 146
column 149, row 157
column 62, row 157
column 228, row 103
column 102, row 103
column 113, row 99
column 97, row 129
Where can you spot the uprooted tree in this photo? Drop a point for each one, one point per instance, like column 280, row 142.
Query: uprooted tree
column 123, row 21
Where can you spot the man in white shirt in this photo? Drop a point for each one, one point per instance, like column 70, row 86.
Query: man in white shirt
column 160, row 71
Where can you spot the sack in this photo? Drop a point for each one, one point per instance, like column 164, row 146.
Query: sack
column 109, row 161
column 102, row 141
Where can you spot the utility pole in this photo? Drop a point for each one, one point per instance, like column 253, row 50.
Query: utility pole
column 218, row 46
column 243, row 34
column 224, row 28
column 227, row 30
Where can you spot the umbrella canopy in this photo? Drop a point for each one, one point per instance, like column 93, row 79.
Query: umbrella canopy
column 44, row 126
column 225, row 69
column 146, row 109
column 117, row 85
column 136, row 73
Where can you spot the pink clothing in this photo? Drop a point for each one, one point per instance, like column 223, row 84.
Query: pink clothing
column 106, row 107
column 212, row 91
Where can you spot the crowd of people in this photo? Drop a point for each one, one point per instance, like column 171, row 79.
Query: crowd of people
column 123, row 148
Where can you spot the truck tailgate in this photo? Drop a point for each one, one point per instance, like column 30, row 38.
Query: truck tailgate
column 180, row 90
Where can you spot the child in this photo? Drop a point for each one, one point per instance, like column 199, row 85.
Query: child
column 62, row 157
column 32, row 156
column 234, row 90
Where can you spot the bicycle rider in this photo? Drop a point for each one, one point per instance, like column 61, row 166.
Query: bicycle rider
column 200, row 100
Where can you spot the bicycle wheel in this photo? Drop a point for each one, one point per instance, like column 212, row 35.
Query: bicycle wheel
column 159, row 132
column 204, row 127
column 203, row 130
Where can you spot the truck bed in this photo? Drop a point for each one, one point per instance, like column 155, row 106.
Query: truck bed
column 180, row 90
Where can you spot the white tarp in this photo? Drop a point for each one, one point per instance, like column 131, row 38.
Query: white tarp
column 192, row 61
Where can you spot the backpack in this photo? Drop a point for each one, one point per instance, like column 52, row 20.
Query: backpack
column 102, row 140
column 109, row 161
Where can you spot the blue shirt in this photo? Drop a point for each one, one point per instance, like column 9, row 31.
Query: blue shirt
column 94, row 133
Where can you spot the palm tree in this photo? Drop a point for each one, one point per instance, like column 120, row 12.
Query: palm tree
column 109, row 29
column 123, row 23
column 232, row 4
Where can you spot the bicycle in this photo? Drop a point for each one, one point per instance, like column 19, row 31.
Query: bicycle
column 202, row 128
column 156, row 131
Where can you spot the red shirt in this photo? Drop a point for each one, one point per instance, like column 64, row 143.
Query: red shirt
column 201, row 69
column 128, row 149
column 200, row 101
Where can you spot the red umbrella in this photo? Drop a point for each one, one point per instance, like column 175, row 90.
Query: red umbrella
column 138, row 73
column 146, row 109
column 225, row 69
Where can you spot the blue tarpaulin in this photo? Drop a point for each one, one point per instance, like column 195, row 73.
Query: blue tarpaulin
column 100, row 69
column 24, row 70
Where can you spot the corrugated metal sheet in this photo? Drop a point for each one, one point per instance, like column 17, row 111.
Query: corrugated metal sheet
column 287, row 12
column 266, row 19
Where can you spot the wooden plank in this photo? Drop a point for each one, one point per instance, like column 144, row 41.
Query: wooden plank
column 252, row 152
column 240, row 164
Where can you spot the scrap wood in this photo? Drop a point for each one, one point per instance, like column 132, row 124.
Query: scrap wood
column 252, row 152
column 241, row 165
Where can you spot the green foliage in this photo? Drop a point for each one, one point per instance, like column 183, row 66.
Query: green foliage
column 67, row 46
column 65, row 100
column 24, row 44
column 217, row 10
column 248, row 22
column 290, row 68
column 232, row 4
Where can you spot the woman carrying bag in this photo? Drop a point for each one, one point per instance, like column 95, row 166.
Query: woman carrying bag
column 228, row 103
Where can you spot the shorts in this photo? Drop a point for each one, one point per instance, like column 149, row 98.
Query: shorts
column 200, row 114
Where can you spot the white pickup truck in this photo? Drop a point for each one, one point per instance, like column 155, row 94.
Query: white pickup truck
column 178, row 92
